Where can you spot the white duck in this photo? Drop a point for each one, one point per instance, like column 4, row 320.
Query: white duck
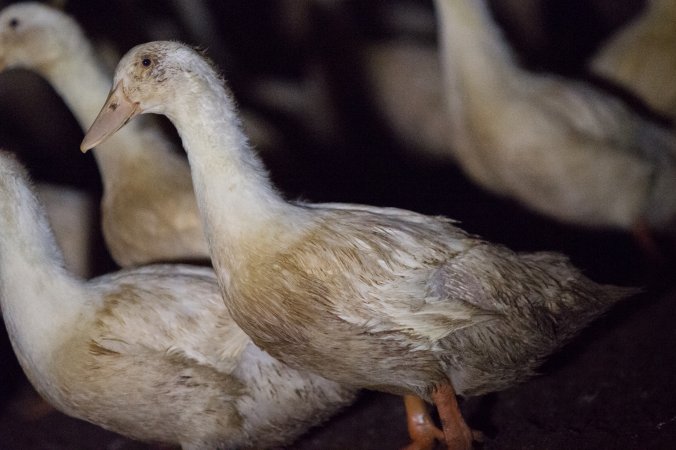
column 380, row 298
column 71, row 213
column 560, row 147
column 150, row 353
column 149, row 213
column 642, row 56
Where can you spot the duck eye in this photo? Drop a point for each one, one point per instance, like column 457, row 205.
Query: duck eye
column 14, row 22
column 146, row 62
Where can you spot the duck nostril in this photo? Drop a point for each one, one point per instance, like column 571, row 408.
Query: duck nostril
column 13, row 22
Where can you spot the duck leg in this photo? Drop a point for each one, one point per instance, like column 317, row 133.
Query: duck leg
column 421, row 428
column 458, row 435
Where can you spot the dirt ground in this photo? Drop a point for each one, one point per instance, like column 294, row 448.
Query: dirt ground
column 609, row 389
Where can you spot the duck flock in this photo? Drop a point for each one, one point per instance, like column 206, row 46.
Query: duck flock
column 310, row 224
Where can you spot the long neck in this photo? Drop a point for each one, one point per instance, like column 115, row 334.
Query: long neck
column 39, row 299
column 240, row 208
column 478, row 63
column 83, row 83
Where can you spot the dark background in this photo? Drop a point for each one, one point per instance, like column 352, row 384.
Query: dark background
column 610, row 388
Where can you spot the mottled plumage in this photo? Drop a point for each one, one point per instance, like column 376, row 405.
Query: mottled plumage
column 416, row 294
column 151, row 352
column 373, row 297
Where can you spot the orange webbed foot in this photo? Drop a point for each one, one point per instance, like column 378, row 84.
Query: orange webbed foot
column 421, row 428
column 457, row 434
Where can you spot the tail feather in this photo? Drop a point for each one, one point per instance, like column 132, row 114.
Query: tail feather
column 580, row 299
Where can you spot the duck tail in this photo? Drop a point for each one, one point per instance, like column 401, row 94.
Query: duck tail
column 581, row 300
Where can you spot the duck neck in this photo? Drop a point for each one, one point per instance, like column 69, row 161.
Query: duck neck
column 478, row 64
column 240, row 207
column 83, row 83
column 40, row 300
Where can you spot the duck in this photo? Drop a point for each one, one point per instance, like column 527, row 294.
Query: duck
column 640, row 57
column 148, row 208
column 372, row 297
column 71, row 213
column 149, row 352
column 560, row 147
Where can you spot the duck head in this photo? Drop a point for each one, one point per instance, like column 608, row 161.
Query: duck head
column 36, row 36
column 146, row 79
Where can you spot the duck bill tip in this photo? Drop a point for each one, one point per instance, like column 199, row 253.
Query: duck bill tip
column 116, row 112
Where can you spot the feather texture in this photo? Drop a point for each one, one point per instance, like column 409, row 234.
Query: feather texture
column 373, row 297
column 151, row 353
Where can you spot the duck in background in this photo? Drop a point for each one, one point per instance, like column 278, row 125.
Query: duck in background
column 641, row 56
column 558, row 146
column 148, row 209
column 151, row 352
column 379, row 298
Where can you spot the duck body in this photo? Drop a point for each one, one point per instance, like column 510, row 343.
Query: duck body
column 560, row 147
column 396, row 301
column 156, row 369
column 148, row 209
column 371, row 297
column 151, row 352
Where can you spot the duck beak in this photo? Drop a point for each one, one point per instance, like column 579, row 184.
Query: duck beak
column 116, row 112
